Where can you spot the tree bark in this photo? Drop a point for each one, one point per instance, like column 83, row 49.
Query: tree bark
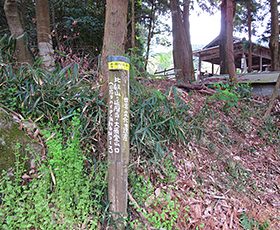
column 150, row 34
column 44, row 38
column 222, row 50
column 186, row 20
column 274, row 37
column 226, row 39
column 229, row 46
column 249, row 22
column 55, row 39
column 14, row 20
column 182, row 52
column 132, row 24
column 115, row 33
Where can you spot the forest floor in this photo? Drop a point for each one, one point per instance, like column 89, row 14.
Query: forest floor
column 229, row 179
column 225, row 175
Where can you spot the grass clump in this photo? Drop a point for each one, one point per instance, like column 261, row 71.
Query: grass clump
column 54, row 97
column 35, row 92
column 156, row 121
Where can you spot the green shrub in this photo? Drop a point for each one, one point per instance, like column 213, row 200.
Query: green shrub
column 143, row 192
column 250, row 223
column 226, row 93
column 168, row 214
column 61, row 196
column 142, row 188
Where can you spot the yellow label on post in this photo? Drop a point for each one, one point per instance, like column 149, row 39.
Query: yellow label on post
column 118, row 65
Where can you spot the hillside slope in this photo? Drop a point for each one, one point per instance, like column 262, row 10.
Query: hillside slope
column 228, row 175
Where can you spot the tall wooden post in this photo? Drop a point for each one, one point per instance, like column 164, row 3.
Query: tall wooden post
column 118, row 136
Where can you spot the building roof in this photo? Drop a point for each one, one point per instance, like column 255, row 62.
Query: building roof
column 216, row 42
column 210, row 53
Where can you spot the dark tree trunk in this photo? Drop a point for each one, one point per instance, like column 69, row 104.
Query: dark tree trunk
column 223, row 59
column 249, row 21
column 150, row 34
column 14, row 20
column 274, row 37
column 186, row 20
column 132, row 24
column 226, row 38
column 229, row 46
column 182, row 52
column 115, row 33
column 56, row 42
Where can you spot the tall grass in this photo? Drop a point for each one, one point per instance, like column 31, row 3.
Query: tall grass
column 157, row 119
column 54, row 97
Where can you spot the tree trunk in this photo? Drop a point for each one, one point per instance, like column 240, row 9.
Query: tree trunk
column 222, row 50
column 44, row 38
column 132, row 24
column 14, row 20
column 226, row 39
column 249, row 21
column 150, row 34
column 229, row 45
column 56, row 42
column 186, row 20
column 182, row 53
column 274, row 37
column 115, row 32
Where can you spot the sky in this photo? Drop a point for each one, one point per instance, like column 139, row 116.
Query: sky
column 204, row 28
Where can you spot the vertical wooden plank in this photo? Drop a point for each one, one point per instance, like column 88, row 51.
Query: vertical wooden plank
column 118, row 136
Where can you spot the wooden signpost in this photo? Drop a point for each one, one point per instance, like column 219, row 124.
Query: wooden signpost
column 118, row 135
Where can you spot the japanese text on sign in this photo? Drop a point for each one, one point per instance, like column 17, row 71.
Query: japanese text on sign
column 118, row 65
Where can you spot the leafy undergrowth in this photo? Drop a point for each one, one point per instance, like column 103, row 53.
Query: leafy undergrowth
column 197, row 162
column 225, row 178
column 57, row 194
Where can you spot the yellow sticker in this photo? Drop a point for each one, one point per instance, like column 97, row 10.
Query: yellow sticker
column 118, row 65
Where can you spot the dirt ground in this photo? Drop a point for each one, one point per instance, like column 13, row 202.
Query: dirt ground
column 232, row 174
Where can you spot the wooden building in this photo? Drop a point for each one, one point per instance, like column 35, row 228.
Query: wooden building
column 261, row 59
